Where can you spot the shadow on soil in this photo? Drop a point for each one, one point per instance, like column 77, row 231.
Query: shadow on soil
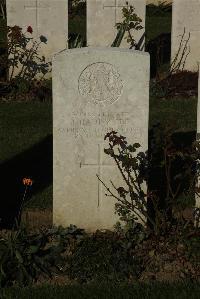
column 35, row 163
column 157, row 174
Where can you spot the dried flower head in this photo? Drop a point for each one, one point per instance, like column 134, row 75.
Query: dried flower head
column 27, row 181
column 30, row 29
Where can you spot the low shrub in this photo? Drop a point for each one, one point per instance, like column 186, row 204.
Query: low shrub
column 103, row 256
column 178, row 167
column 25, row 65
column 25, row 256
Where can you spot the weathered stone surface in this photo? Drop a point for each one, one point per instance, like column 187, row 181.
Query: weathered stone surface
column 102, row 15
column 94, row 91
column 186, row 15
column 47, row 18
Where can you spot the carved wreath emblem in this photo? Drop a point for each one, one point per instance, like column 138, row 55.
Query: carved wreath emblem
column 100, row 82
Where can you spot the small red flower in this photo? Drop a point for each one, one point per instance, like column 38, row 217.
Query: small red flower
column 30, row 29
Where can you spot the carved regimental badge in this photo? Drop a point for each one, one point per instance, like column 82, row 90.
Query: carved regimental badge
column 100, row 82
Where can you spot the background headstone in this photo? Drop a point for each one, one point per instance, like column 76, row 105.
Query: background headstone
column 186, row 13
column 47, row 17
column 94, row 91
column 102, row 15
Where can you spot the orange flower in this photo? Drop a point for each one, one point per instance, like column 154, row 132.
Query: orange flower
column 27, row 181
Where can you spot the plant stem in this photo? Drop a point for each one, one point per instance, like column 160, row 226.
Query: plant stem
column 22, row 201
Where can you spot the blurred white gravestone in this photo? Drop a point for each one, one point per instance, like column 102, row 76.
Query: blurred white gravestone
column 186, row 14
column 102, row 15
column 48, row 18
column 95, row 91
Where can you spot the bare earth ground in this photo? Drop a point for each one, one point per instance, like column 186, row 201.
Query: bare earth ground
column 37, row 218
column 162, row 260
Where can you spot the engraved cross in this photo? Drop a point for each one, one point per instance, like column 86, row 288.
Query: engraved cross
column 115, row 6
column 100, row 167
column 37, row 6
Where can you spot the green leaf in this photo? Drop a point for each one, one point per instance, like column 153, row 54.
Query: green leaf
column 32, row 249
column 119, row 37
column 131, row 148
column 137, row 145
column 109, row 151
column 19, row 256
column 151, row 253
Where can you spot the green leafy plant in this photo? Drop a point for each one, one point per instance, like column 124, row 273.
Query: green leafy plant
column 102, row 256
column 25, row 256
column 21, row 258
column 132, row 205
column 133, row 168
column 20, row 54
column 76, row 43
column 129, row 23
column 25, row 65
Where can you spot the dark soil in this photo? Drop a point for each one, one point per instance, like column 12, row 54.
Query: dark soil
column 35, row 91
column 163, row 258
column 184, row 84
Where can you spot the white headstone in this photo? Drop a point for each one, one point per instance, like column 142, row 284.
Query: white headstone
column 95, row 91
column 46, row 17
column 186, row 14
column 102, row 15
